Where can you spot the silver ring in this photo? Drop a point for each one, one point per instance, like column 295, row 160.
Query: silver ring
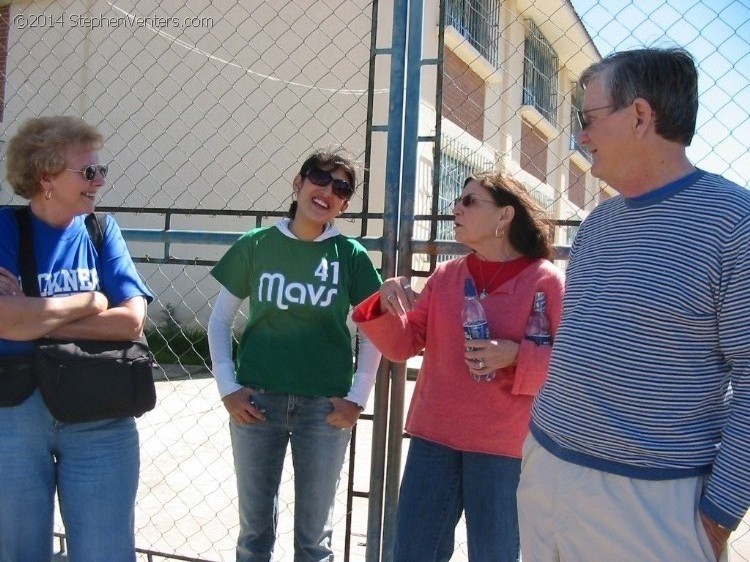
column 407, row 286
column 480, row 364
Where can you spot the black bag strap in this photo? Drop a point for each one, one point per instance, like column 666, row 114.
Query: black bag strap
column 26, row 249
column 95, row 225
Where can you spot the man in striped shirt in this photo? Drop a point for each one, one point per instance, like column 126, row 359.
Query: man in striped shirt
column 640, row 439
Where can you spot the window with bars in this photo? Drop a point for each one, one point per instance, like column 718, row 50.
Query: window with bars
column 570, row 234
column 576, row 104
column 478, row 22
column 457, row 162
column 544, row 195
column 540, row 73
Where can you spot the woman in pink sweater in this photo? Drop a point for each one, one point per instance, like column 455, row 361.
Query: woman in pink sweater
column 466, row 436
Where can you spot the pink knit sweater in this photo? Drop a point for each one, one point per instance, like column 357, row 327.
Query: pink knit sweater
column 448, row 407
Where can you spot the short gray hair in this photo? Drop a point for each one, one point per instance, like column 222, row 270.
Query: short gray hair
column 666, row 78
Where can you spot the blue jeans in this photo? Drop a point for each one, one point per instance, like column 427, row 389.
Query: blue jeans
column 438, row 484
column 94, row 468
column 259, row 449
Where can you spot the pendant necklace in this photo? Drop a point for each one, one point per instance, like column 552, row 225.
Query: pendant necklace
column 483, row 294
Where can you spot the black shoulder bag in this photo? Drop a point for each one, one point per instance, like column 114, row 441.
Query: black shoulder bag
column 87, row 380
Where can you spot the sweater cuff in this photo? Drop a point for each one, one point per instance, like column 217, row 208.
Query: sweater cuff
column 531, row 368
column 368, row 309
column 714, row 512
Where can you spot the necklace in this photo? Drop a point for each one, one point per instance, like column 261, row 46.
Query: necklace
column 483, row 294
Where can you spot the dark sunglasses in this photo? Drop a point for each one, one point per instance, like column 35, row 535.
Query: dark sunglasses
column 341, row 189
column 469, row 199
column 582, row 118
column 89, row 172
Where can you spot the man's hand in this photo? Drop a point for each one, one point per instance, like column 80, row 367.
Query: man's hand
column 716, row 534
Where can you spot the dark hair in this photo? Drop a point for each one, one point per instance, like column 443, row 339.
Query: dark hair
column 330, row 161
column 530, row 227
column 38, row 149
column 666, row 78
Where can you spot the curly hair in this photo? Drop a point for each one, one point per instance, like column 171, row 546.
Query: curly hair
column 529, row 231
column 38, row 150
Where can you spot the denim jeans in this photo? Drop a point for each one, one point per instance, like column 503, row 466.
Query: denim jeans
column 94, row 468
column 259, row 449
column 438, row 484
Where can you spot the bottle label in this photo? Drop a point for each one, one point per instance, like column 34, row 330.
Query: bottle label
column 477, row 331
column 540, row 339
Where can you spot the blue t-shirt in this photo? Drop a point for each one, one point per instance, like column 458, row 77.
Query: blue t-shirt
column 67, row 263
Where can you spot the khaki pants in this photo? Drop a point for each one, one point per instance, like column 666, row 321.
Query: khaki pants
column 570, row 513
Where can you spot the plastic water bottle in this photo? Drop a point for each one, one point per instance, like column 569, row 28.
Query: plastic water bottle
column 475, row 323
column 537, row 326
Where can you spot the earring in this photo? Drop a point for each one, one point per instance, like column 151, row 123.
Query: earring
column 48, row 194
column 502, row 232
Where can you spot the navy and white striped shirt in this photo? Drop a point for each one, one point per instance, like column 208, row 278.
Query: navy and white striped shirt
column 655, row 325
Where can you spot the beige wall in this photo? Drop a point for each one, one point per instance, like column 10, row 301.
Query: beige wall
column 217, row 116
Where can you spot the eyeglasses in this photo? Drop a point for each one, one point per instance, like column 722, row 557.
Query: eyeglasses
column 89, row 172
column 341, row 189
column 582, row 119
column 469, row 199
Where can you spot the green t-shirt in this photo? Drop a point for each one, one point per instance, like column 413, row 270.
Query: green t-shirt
column 296, row 340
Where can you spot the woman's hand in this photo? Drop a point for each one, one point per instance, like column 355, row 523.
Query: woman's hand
column 345, row 413
column 396, row 296
column 485, row 356
column 241, row 406
column 9, row 286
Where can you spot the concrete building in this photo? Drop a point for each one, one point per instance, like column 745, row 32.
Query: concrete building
column 207, row 109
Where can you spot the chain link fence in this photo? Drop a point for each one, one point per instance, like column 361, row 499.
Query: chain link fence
column 208, row 108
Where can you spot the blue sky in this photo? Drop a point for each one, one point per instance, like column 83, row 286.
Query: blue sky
column 717, row 33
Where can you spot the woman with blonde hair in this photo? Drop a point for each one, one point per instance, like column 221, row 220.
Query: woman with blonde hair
column 84, row 294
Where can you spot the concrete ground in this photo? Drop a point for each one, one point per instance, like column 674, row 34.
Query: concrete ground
column 187, row 498
column 187, row 501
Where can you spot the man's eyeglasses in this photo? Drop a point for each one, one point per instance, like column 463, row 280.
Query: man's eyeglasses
column 341, row 189
column 582, row 118
column 469, row 199
column 89, row 172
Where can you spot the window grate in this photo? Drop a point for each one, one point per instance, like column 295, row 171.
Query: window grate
column 478, row 22
column 540, row 73
column 456, row 164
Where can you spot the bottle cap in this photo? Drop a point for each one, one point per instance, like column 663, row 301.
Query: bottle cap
column 469, row 289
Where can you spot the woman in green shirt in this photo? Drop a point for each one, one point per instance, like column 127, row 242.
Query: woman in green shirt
column 293, row 381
